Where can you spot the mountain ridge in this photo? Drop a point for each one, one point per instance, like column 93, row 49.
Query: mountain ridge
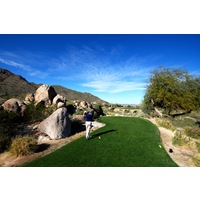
column 16, row 86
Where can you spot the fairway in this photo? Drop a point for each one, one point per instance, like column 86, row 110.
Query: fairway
column 123, row 142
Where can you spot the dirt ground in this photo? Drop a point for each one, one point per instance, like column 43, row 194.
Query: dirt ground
column 8, row 160
column 181, row 156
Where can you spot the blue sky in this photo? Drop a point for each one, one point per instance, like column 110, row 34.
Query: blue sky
column 114, row 67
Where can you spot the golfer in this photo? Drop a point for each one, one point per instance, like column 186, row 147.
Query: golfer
column 88, row 116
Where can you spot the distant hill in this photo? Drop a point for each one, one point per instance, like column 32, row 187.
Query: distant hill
column 12, row 85
column 74, row 95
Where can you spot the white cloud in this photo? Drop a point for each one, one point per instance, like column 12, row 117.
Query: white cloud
column 14, row 64
column 8, row 54
column 90, row 64
column 115, row 78
column 30, row 71
column 114, row 86
column 103, row 70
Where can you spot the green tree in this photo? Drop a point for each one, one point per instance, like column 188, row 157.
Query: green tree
column 172, row 89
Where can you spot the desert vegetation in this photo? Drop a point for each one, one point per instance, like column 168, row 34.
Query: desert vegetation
column 173, row 90
column 15, row 128
column 173, row 97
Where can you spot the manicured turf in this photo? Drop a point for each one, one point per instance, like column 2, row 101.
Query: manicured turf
column 125, row 142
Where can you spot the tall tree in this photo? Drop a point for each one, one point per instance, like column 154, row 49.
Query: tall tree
column 173, row 89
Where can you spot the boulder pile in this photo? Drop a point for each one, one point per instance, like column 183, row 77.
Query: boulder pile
column 57, row 125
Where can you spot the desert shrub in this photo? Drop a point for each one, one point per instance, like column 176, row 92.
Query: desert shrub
column 37, row 112
column 23, row 145
column 196, row 159
column 48, row 111
column 9, row 117
column 179, row 139
column 195, row 114
column 182, row 122
column 116, row 106
column 79, row 111
column 192, row 132
column 32, row 112
column 105, row 110
column 71, row 109
column 5, row 133
column 198, row 146
column 141, row 114
column 147, row 108
column 5, row 141
column 98, row 111
column 165, row 123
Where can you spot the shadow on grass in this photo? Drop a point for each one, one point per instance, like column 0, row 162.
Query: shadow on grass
column 102, row 133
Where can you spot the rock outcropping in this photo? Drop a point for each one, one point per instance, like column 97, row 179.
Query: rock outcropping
column 14, row 105
column 45, row 93
column 59, row 101
column 57, row 125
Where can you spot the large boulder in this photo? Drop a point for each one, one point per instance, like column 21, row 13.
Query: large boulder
column 60, row 105
column 14, row 105
column 83, row 104
column 59, row 101
column 29, row 98
column 45, row 93
column 57, row 125
column 76, row 103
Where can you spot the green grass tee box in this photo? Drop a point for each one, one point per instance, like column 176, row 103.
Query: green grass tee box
column 123, row 142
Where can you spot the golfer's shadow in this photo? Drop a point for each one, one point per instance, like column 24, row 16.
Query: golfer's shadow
column 102, row 133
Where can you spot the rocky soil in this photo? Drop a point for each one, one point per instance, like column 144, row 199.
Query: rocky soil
column 182, row 156
column 8, row 160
